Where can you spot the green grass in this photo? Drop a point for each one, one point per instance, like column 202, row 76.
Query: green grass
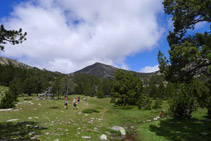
column 3, row 90
column 49, row 120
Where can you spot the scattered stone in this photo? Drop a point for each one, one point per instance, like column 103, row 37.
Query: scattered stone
column 204, row 133
column 79, row 133
column 122, row 131
column 91, row 121
column 79, row 113
column 103, row 137
column 31, row 133
column 155, row 119
column 33, row 138
column 47, row 133
column 118, row 128
column 16, row 110
column 29, row 117
column 2, row 110
column 131, row 127
column 92, row 118
column 36, row 117
column 100, row 119
column 66, row 130
column 37, row 126
column 86, row 137
column 56, row 140
column 13, row 120
column 86, row 114
column 28, row 125
column 62, row 111
column 78, row 128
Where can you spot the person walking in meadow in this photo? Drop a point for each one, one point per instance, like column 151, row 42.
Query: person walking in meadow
column 79, row 99
column 74, row 103
column 66, row 102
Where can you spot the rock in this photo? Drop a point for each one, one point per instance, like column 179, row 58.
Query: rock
column 103, row 137
column 86, row 114
column 37, row 126
column 36, row 117
column 118, row 128
column 155, row 119
column 56, row 140
column 79, row 113
column 33, row 138
column 2, row 110
column 86, row 137
column 28, row 125
column 29, row 117
column 31, row 133
column 66, row 130
column 13, row 120
column 47, row 133
column 122, row 131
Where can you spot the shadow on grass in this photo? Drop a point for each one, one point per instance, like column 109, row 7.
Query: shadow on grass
column 54, row 107
column 124, row 107
column 19, row 130
column 185, row 130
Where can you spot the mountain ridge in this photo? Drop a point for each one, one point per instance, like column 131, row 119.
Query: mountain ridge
column 96, row 69
column 106, row 71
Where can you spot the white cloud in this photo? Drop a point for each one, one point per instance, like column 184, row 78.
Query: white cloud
column 66, row 35
column 149, row 69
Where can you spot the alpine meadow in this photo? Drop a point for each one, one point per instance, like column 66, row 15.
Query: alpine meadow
column 110, row 70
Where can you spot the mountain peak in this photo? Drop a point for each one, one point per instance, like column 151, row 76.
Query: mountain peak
column 99, row 69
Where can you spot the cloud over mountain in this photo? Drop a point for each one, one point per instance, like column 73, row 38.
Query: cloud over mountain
column 66, row 35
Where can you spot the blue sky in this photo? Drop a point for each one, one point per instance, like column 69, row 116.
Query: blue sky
column 67, row 35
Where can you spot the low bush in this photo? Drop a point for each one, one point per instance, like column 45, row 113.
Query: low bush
column 90, row 111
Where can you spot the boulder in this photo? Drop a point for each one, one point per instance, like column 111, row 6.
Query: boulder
column 120, row 129
column 103, row 137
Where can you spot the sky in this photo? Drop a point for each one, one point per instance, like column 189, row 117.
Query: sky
column 68, row 35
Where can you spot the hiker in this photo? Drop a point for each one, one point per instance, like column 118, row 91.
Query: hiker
column 85, row 101
column 79, row 99
column 162, row 114
column 74, row 103
column 65, row 102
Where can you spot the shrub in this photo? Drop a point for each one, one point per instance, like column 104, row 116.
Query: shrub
column 112, row 100
column 157, row 104
column 7, row 101
column 90, row 111
column 144, row 102
column 182, row 105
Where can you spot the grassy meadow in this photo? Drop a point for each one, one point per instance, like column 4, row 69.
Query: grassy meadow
column 34, row 119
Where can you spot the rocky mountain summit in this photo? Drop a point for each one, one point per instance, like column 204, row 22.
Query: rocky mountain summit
column 106, row 71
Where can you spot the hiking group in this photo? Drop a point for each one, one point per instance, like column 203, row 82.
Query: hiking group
column 75, row 102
